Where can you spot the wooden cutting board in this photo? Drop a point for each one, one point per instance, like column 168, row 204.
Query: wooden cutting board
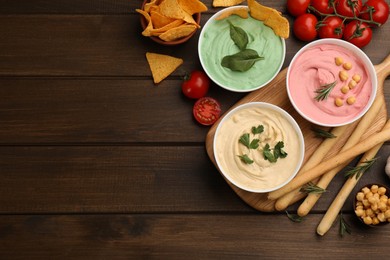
column 275, row 93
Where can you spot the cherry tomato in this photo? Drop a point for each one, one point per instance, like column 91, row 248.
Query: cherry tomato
column 357, row 33
column 349, row 8
column 380, row 11
column 304, row 27
column 322, row 6
column 206, row 110
column 196, row 85
column 297, row 7
column 331, row 27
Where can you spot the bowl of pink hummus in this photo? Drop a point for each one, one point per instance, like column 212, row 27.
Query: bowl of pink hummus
column 331, row 82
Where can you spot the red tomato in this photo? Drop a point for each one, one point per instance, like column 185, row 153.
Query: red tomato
column 331, row 27
column 297, row 7
column 206, row 110
column 357, row 33
column 304, row 27
column 196, row 85
column 349, row 8
column 380, row 11
column 322, row 6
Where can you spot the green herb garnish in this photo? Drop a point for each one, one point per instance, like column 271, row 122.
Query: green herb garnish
column 324, row 91
column 239, row 36
column 323, row 133
column 344, row 227
column 245, row 159
column 360, row 169
column 276, row 154
column 257, row 130
column 294, row 217
column 312, row 188
column 245, row 140
column 241, row 61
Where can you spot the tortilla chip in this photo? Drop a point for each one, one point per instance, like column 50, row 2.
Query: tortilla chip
column 172, row 25
column 226, row 3
column 147, row 6
column 242, row 12
column 172, row 9
column 192, row 6
column 148, row 19
column 159, row 20
column 271, row 17
column 162, row 65
column 178, row 32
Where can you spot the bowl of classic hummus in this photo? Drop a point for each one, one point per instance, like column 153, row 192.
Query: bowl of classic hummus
column 216, row 43
column 331, row 82
column 258, row 147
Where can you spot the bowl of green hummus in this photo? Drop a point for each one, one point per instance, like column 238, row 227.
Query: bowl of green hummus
column 238, row 53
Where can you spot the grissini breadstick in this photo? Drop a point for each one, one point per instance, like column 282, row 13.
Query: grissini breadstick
column 325, row 179
column 329, row 164
column 283, row 202
column 334, row 208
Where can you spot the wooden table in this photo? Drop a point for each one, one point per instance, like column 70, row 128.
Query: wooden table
column 98, row 162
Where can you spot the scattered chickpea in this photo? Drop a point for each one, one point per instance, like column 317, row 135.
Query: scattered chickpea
column 351, row 100
column 338, row 102
column 343, row 75
column 356, row 78
column 338, row 61
column 373, row 205
column 352, row 84
column 344, row 89
column 347, row 66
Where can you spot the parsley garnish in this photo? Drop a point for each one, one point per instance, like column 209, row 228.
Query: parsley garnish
column 277, row 153
column 245, row 159
column 257, row 130
column 245, row 140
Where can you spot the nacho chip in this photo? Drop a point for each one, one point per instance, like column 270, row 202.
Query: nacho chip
column 172, row 25
column 226, row 3
column 150, row 5
column 192, row 6
column 159, row 20
column 271, row 17
column 172, row 9
column 242, row 12
column 148, row 19
column 178, row 32
column 162, row 65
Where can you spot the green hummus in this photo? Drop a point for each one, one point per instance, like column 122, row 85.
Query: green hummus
column 215, row 43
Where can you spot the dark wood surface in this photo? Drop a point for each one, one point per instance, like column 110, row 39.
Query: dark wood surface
column 98, row 162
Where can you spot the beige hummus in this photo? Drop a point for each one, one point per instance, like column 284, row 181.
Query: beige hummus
column 261, row 174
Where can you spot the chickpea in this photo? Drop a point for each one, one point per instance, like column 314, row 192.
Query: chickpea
column 367, row 220
column 387, row 213
column 347, row 66
column 382, row 191
column 343, row 75
column 351, row 100
column 383, row 198
column 352, row 84
column 374, row 207
column 370, row 212
column 338, row 61
column 382, row 206
column 338, row 102
column 375, row 221
column 369, row 194
column 359, row 212
column 356, row 78
column 365, row 190
column 344, row 89
column 360, row 196
column 381, row 217
column 366, row 203
column 374, row 188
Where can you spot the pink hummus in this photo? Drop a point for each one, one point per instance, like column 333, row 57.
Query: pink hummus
column 316, row 67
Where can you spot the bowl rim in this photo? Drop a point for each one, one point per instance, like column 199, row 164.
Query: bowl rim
column 354, row 201
column 196, row 16
column 289, row 118
column 360, row 54
column 209, row 21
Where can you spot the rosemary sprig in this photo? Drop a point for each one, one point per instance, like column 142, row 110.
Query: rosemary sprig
column 344, row 227
column 294, row 217
column 322, row 133
column 324, row 91
column 360, row 169
column 312, row 188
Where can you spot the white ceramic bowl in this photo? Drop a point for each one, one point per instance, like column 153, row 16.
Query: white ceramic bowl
column 261, row 176
column 302, row 75
column 223, row 45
